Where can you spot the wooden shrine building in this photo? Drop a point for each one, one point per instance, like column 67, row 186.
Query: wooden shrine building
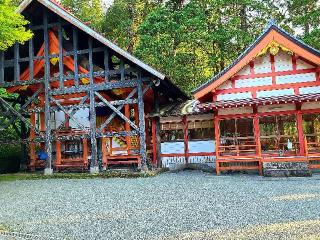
column 260, row 113
column 82, row 101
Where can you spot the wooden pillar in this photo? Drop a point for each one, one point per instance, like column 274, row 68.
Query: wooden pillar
column 185, row 138
column 142, row 128
column 75, row 55
column 32, row 144
column 154, row 142
column 85, row 151
column 58, row 153
column 94, row 168
column 157, row 140
column 300, row 130
column 104, row 152
column 217, row 137
column 256, row 131
column 127, row 127
column 48, row 169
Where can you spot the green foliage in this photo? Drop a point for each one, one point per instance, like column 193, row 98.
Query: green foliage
column 111, row 174
column 12, row 26
column 191, row 40
column 90, row 12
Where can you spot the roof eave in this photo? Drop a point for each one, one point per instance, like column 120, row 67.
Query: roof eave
column 77, row 23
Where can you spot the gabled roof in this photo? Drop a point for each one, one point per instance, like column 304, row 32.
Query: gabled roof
column 271, row 33
column 63, row 13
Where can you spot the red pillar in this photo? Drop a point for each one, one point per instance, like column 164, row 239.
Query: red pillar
column 85, row 151
column 154, row 143
column 256, row 131
column 58, row 152
column 300, row 130
column 217, row 138
column 104, row 152
column 185, row 138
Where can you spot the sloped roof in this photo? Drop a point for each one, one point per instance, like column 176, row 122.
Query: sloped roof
column 63, row 13
column 271, row 32
column 178, row 108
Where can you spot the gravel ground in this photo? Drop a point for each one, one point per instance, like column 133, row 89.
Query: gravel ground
column 185, row 205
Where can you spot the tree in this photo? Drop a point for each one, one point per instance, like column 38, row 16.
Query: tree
column 192, row 40
column 90, row 12
column 123, row 19
column 12, row 26
column 305, row 14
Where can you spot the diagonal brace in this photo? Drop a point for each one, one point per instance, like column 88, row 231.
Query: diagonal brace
column 120, row 114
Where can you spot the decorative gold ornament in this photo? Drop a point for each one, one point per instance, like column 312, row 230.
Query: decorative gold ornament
column 274, row 48
column 54, row 60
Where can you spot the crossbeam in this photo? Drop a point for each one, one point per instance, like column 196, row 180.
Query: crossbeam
column 115, row 110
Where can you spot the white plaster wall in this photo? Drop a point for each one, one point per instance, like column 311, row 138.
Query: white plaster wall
column 232, row 111
column 275, row 93
column 303, row 65
column 244, row 71
column 309, row 90
column 253, row 82
column 59, row 118
column 234, row 96
column 172, row 147
column 296, row 78
column 283, row 61
column 226, row 85
column 262, row 64
column 202, row 146
column 276, row 108
column 82, row 116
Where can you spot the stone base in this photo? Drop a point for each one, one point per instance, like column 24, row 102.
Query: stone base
column 286, row 169
column 48, row 171
column 94, row 170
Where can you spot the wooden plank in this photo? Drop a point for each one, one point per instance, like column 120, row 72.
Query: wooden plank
column 31, row 55
column 1, row 67
column 142, row 128
column 94, row 151
column 61, row 72
column 106, row 65
column 48, row 144
column 75, row 55
column 16, row 63
column 122, row 69
column 58, row 152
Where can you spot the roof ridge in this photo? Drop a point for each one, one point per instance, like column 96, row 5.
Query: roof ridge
column 271, row 24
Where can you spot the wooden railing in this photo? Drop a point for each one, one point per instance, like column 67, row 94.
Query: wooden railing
column 243, row 154
column 313, row 150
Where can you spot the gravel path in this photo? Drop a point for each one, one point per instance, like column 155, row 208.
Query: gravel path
column 185, row 205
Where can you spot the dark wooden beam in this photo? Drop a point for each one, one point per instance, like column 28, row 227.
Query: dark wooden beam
column 73, row 111
column 16, row 63
column 156, row 101
column 68, row 114
column 31, row 55
column 106, row 65
column 75, row 56
column 122, row 69
column 142, row 128
column 61, row 72
column 1, row 67
column 115, row 110
column 94, row 151
column 47, row 94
